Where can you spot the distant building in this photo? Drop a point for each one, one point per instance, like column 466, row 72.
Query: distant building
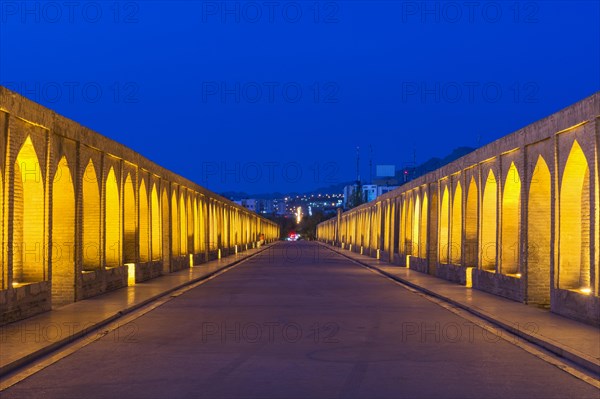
column 281, row 208
column 348, row 194
column 369, row 192
column 264, row 206
column 250, row 204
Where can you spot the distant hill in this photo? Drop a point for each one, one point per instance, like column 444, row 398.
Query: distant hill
column 434, row 163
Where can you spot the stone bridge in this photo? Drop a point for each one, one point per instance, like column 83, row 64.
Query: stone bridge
column 517, row 218
column 83, row 215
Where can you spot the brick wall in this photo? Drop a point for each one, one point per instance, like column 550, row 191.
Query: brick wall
column 529, row 237
column 71, row 213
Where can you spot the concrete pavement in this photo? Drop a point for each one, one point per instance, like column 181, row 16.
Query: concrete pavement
column 575, row 341
column 25, row 340
column 315, row 270
column 301, row 321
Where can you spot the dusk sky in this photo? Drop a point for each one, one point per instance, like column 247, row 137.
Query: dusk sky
column 276, row 96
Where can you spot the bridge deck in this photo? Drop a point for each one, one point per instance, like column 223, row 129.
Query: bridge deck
column 299, row 320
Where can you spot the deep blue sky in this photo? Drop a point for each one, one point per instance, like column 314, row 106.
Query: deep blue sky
column 390, row 74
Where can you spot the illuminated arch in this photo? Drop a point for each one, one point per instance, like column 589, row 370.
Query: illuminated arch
column 112, row 221
column 129, row 222
column 166, row 225
column 409, row 226
column 511, row 221
column 202, row 224
column 63, row 235
column 156, row 224
column 456, row 237
column 213, row 228
column 402, row 241
column 471, row 210
column 539, row 217
column 28, row 225
column 183, row 239
column 4, row 270
column 144, row 229
column 175, row 230
column 197, row 228
column 444, row 215
column 226, row 227
column 91, row 218
column 423, row 230
column 416, row 226
column 190, row 225
column 488, row 223
column 574, row 259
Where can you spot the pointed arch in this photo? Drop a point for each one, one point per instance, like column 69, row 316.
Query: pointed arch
column 423, row 230
column 190, row 225
column 129, row 222
column 63, row 235
column 403, row 216
column 157, row 224
column 489, row 223
column 28, row 225
column 197, row 226
column 202, row 223
column 183, row 239
column 112, row 220
column 416, row 226
column 511, row 221
column 539, row 222
column 472, row 207
column 166, row 226
column 574, row 258
column 144, row 230
column 4, row 261
column 91, row 218
column 175, row 230
column 409, row 225
column 444, row 215
column 456, row 236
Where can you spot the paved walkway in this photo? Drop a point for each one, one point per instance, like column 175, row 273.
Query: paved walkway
column 570, row 339
column 26, row 340
column 23, row 341
column 289, row 324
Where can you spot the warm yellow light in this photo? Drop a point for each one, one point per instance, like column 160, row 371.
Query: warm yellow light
column 191, row 260
column 130, row 274
column 408, row 261
column 298, row 214
column 469, row 277
column 112, row 220
column 586, row 290
column 219, row 254
column 518, row 275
